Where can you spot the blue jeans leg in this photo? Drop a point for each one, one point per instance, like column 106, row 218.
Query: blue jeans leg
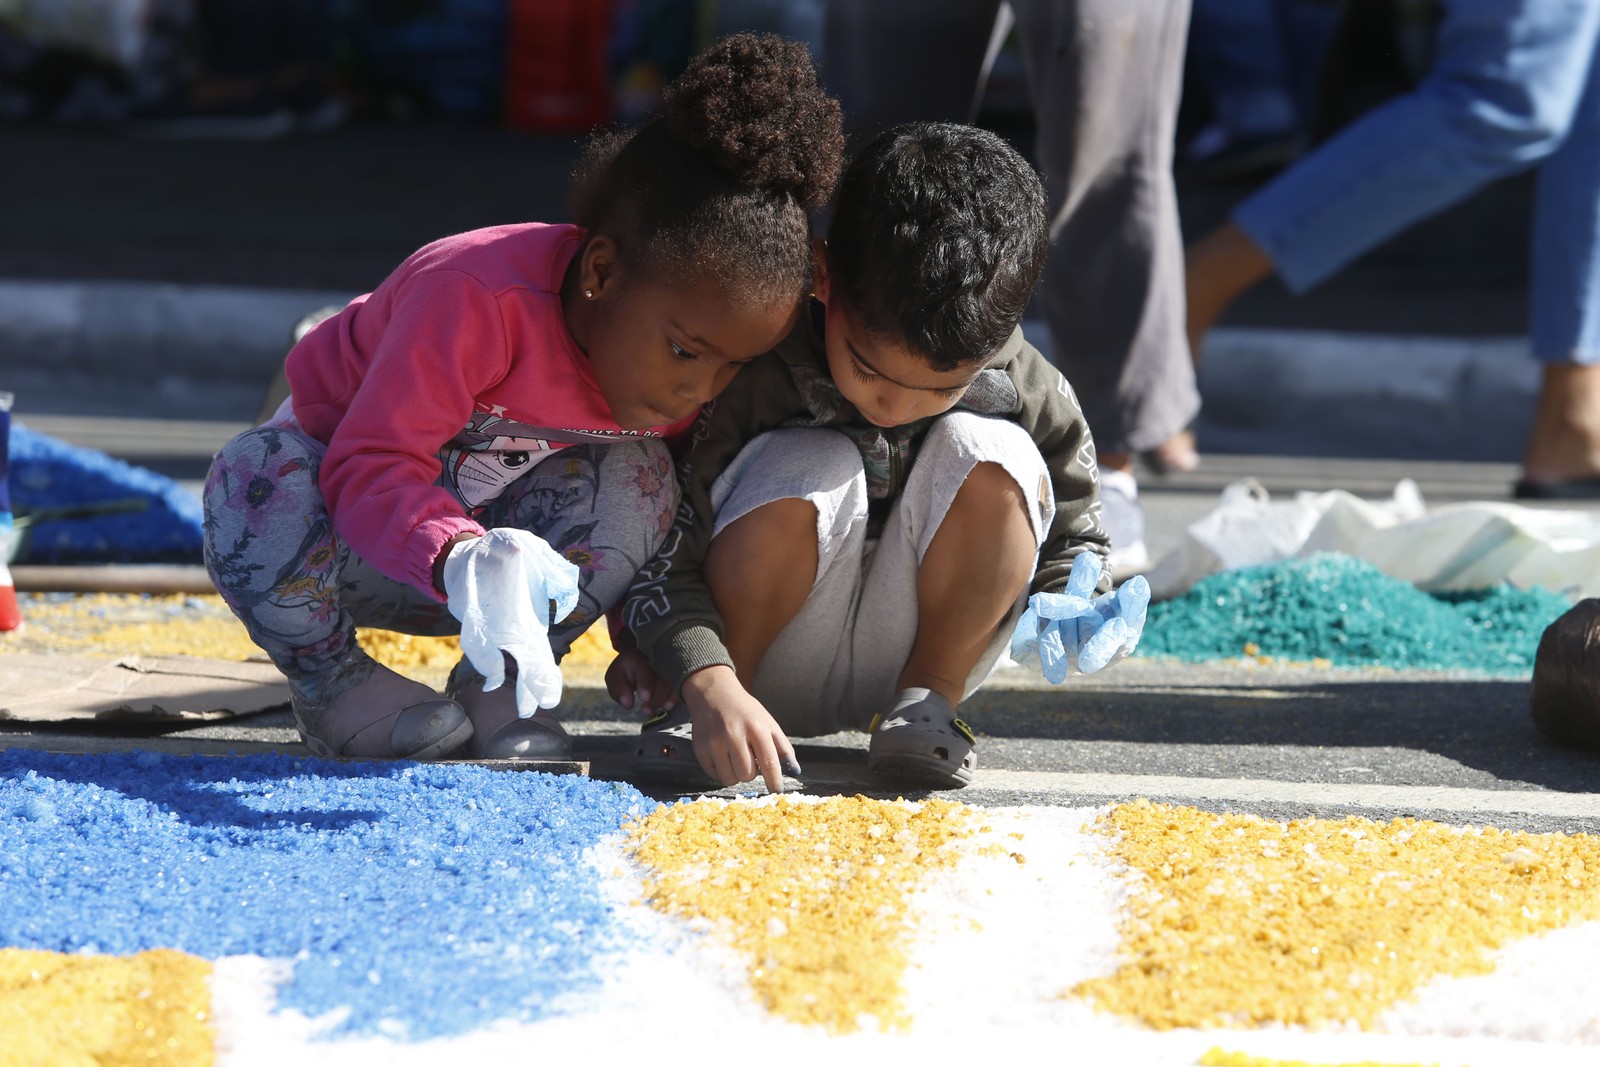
column 1503, row 94
column 1564, row 313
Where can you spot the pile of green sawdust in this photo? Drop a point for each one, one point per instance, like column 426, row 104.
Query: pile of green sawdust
column 1347, row 612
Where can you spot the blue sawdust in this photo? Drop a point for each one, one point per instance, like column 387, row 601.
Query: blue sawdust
column 1333, row 607
column 426, row 901
column 47, row 473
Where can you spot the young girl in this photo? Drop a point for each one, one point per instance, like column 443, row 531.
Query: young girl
column 497, row 411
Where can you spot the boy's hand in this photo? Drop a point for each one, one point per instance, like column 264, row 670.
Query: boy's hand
column 735, row 737
column 635, row 685
column 1075, row 631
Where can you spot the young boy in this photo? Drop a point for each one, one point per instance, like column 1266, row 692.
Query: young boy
column 868, row 507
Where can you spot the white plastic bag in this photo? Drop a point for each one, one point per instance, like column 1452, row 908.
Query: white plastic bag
column 1248, row 527
column 1456, row 547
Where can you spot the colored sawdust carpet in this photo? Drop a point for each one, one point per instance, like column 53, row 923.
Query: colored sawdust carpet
column 263, row 910
column 79, row 505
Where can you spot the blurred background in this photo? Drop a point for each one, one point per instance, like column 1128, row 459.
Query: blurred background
column 182, row 179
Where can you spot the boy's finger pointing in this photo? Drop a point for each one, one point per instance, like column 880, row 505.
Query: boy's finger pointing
column 769, row 765
column 789, row 761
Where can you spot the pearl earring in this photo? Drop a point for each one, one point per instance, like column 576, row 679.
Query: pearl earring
column 588, row 294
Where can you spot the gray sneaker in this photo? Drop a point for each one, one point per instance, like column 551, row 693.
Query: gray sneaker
column 1123, row 518
column 361, row 709
column 922, row 742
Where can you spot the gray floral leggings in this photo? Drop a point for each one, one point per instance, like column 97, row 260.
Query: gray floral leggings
column 301, row 592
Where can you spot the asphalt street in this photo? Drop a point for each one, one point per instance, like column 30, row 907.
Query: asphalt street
column 146, row 290
column 1283, row 741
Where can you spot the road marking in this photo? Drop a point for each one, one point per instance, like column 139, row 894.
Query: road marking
column 1407, row 798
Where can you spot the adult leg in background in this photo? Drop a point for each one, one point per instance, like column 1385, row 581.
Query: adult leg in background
column 1563, row 453
column 1105, row 78
column 1113, row 288
column 1502, row 95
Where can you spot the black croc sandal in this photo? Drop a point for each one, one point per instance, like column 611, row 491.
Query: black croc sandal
column 921, row 742
column 1572, row 489
column 664, row 754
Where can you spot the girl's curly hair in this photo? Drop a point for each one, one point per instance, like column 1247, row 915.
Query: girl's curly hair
column 720, row 182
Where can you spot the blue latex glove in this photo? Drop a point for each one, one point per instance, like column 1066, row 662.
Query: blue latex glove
column 1077, row 632
column 500, row 586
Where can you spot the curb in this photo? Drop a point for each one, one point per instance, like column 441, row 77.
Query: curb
column 176, row 350
column 146, row 331
column 1304, row 392
column 1325, row 393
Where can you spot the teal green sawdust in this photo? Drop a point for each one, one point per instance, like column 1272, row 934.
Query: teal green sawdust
column 1348, row 612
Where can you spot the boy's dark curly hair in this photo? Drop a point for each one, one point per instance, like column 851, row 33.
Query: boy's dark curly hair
column 937, row 239
column 720, row 181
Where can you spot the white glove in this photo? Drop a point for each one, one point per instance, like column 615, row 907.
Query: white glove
column 500, row 586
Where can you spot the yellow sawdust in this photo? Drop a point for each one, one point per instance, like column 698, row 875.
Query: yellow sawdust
column 151, row 1009
column 131, row 624
column 1216, row 1057
column 813, row 894
column 1234, row 920
column 180, row 625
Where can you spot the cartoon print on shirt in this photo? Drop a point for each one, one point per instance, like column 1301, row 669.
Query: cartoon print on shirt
column 478, row 475
column 493, row 451
column 489, row 454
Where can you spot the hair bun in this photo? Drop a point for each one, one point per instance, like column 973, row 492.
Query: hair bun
column 754, row 103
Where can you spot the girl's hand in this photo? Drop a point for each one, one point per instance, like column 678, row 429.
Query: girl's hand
column 636, row 686
column 506, row 587
column 735, row 737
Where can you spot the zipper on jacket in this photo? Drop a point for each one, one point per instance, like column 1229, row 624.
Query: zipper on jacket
column 894, row 465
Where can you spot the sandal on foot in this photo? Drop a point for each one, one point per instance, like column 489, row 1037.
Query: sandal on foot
column 1176, row 455
column 362, row 709
column 499, row 733
column 1571, row 489
column 664, row 754
column 921, row 742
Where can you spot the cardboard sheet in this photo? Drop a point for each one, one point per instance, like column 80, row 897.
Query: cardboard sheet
column 141, row 689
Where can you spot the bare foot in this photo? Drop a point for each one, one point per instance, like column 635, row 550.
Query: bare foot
column 1565, row 441
column 1116, row 461
column 1177, row 454
column 1218, row 268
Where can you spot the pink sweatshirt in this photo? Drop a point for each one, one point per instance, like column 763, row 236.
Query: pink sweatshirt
column 436, row 390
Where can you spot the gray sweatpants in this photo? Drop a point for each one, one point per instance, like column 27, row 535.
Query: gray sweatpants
column 1104, row 78
column 836, row 664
